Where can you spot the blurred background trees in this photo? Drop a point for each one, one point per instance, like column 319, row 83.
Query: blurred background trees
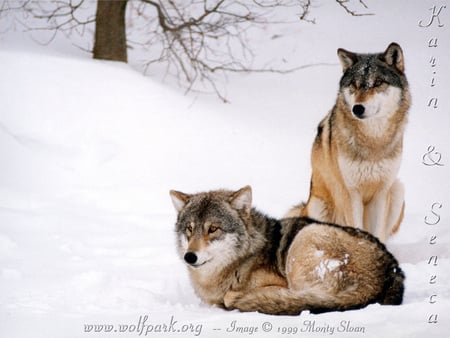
column 197, row 40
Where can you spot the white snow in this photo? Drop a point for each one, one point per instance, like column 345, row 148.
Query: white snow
column 318, row 253
column 326, row 266
column 89, row 151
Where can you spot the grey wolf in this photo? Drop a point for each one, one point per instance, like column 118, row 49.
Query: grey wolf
column 238, row 258
column 357, row 151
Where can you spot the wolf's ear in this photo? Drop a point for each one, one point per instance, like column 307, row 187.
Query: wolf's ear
column 242, row 199
column 179, row 199
column 394, row 56
column 347, row 58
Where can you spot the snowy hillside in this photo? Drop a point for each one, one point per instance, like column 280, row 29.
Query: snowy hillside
column 90, row 149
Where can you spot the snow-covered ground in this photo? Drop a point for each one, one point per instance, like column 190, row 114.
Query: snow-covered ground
column 90, row 149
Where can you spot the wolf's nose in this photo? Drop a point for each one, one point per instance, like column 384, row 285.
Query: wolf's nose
column 190, row 257
column 358, row 110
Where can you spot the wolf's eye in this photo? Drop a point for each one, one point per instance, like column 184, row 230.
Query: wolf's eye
column 189, row 230
column 378, row 83
column 212, row 229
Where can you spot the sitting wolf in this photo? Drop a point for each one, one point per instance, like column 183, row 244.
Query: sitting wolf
column 358, row 147
column 241, row 259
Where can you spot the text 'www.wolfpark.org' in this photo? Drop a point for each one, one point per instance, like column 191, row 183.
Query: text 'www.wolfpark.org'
column 145, row 327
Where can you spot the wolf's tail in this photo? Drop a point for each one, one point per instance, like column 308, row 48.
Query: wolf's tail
column 393, row 287
column 295, row 211
column 271, row 300
column 283, row 301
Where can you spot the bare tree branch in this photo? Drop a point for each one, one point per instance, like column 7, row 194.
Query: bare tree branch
column 198, row 41
column 208, row 39
column 65, row 16
column 343, row 4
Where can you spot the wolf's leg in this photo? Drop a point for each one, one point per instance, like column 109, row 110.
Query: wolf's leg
column 375, row 217
column 353, row 210
column 396, row 208
column 317, row 209
column 385, row 211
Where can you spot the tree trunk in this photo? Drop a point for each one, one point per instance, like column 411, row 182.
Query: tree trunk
column 110, row 34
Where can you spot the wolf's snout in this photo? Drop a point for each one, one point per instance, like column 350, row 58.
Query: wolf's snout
column 190, row 258
column 358, row 110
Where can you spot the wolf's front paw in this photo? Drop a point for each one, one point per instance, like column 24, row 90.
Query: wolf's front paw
column 230, row 298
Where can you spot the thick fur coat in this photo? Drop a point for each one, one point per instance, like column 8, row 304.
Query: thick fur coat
column 357, row 152
column 238, row 258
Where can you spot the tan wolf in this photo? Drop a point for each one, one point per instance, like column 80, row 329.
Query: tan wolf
column 238, row 258
column 357, row 152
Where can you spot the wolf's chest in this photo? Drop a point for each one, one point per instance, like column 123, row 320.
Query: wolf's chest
column 357, row 173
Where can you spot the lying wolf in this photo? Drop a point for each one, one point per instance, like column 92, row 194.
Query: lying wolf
column 239, row 258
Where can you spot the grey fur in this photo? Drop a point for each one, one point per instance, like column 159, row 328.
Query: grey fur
column 257, row 276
